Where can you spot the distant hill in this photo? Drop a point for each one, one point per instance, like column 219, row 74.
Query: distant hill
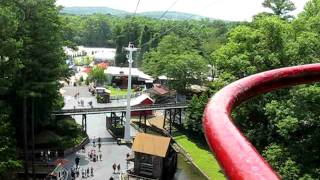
column 115, row 12
column 93, row 10
column 171, row 15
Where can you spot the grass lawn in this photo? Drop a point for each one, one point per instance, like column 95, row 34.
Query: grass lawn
column 201, row 156
column 117, row 92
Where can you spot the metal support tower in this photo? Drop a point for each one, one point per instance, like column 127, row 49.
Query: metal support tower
column 127, row 135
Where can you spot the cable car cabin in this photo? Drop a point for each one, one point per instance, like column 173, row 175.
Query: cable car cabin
column 154, row 157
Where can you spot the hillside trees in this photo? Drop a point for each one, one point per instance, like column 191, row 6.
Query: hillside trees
column 95, row 30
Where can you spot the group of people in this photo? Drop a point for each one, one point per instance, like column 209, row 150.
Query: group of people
column 81, row 101
column 93, row 156
column 85, row 172
column 115, row 167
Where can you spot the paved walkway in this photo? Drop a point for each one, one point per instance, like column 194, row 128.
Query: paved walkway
column 111, row 152
column 84, row 94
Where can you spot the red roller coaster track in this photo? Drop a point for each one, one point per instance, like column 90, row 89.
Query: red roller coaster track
column 236, row 155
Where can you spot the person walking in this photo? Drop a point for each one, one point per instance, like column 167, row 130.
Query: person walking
column 82, row 172
column 114, row 167
column 118, row 168
column 100, row 156
column 77, row 160
column 99, row 145
column 73, row 174
column 91, row 171
column 82, row 102
column 94, row 141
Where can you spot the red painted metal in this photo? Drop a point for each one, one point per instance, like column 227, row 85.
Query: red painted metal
column 236, row 155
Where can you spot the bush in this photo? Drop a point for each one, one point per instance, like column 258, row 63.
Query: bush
column 65, row 135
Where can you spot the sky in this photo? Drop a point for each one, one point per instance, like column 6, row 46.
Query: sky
column 234, row 10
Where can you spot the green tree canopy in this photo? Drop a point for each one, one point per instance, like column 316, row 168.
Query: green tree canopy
column 280, row 7
column 97, row 75
column 178, row 59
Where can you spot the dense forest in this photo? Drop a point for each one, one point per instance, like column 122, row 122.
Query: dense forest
column 283, row 125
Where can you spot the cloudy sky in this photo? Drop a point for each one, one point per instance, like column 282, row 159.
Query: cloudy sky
column 219, row 9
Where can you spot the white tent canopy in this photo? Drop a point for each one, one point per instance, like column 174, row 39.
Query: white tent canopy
column 124, row 71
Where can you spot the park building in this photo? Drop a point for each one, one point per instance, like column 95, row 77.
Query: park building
column 119, row 77
column 154, row 157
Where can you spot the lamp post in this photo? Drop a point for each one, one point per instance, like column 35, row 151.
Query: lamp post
column 127, row 135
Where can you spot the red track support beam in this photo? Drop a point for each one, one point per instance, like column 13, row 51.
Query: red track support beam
column 236, row 155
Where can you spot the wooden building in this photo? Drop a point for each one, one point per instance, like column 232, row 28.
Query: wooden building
column 142, row 100
column 154, row 157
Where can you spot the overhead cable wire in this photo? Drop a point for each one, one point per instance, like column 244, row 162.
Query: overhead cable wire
column 170, row 29
column 134, row 14
column 163, row 14
column 135, row 11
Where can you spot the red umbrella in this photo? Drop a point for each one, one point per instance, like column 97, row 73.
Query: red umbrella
column 62, row 162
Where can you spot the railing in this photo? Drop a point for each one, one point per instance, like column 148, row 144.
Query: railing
column 119, row 97
column 236, row 155
column 119, row 109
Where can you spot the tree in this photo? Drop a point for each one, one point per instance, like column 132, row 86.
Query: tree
column 97, row 75
column 8, row 159
column 129, row 32
column 194, row 113
column 9, row 66
column 280, row 7
column 176, row 57
column 40, row 59
column 96, row 32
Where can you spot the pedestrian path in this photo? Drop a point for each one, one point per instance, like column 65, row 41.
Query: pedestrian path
column 111, row 152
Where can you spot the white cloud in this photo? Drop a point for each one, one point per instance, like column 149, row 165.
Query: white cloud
column 219, row 9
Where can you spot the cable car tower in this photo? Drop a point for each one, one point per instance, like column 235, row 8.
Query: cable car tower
column 127, row 135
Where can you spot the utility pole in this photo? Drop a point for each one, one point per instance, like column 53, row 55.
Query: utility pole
column 127, row 135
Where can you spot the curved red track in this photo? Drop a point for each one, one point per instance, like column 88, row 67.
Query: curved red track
column 236, row 155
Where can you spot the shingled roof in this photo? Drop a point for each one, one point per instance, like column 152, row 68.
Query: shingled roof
column 151, row 144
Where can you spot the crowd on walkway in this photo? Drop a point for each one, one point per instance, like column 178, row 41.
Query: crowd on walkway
column 93, row 155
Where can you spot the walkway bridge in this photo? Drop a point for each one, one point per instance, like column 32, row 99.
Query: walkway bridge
column 103, row 110
column 172, row 109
